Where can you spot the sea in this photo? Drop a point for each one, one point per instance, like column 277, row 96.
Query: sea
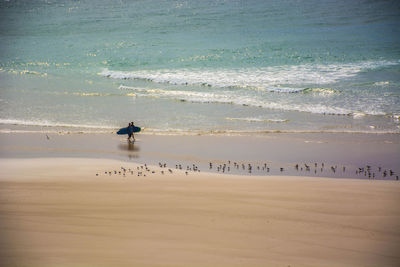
column 201, row 67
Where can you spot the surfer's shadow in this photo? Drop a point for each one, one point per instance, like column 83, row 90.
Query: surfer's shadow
column 131, row 148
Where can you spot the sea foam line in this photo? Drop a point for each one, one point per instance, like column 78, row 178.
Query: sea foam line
column 45, row 123
column 254, row 78
column 257, row 120
column 228, row 97
column 180, row 132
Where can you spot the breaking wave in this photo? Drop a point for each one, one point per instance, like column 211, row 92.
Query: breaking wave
column 227, row 97
column 266, row 78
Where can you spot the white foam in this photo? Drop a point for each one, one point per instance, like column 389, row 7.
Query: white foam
column 180, row 132
column 193, row 96
column 358, row 115
column 284, row 89
column 45, row 123
column 266, row 78
column 257, row 120
column 321, row 91
column 228, row 97
column 382, row 83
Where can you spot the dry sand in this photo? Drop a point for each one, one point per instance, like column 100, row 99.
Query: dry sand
column 57, row 212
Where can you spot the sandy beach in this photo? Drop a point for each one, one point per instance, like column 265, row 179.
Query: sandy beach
column 78, row 210
column 267, row 133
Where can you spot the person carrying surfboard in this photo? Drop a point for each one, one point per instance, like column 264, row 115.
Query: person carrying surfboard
column 130, row 131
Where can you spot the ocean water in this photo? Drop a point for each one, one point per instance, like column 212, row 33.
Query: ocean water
column 201, row 66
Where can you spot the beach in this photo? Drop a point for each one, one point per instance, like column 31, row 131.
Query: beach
column 269, row 133
column 70, row 208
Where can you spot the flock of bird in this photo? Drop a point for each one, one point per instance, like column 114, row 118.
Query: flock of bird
column 145, row 171
column 366, row 171
column 229, row 167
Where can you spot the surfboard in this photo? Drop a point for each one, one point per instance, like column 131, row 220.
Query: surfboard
column 125, row 130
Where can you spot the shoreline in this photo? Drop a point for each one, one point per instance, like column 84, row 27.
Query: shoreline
column 9, row 128
column 336, row 155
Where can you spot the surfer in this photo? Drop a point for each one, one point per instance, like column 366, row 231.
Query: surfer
column 130, row 131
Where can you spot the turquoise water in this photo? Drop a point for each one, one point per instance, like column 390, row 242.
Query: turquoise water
column 201, row 66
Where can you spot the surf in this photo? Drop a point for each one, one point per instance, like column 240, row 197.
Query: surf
column 262, row 78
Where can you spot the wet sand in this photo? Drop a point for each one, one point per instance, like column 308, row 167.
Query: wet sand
column 364, row 156
column 83, row 200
